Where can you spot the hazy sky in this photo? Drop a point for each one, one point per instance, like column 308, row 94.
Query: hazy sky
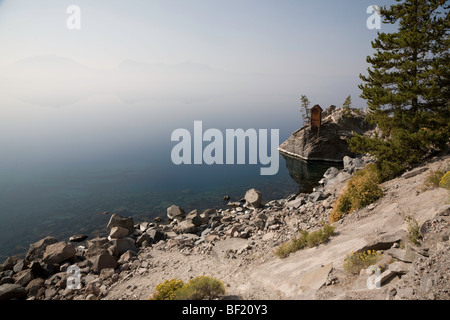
column 139, row 64
column 268, row 36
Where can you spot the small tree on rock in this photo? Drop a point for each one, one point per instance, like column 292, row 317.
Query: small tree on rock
column 306, row 111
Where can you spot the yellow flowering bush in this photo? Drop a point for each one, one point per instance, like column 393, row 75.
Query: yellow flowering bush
column 356, row 261
column 201, row 288
column 167, row 289
column 445, row 181
column 198, row 288
column 361, row 190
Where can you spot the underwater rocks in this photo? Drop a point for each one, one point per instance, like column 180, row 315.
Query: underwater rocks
column 54, row 270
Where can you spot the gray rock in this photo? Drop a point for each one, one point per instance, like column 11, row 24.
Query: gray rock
column 123, row 245
column 37, row 249
column 384, row 242
column 118, row 233
column 78, row 238
column 316, row 196
column 315, row 279
column 386, row 276
column 399, row 267
column 253, row 198
column 414, row 172
column 407, row 255
column 126, row 257
column 50, row 293
column 296, row 203
column 187, row 226
column 145, row 237
column 331, row 173
column 103, row 261
column 19, row 266
column 34, row 286
column 234, row 204
column 58, row 252
column 175, row 212
column 194, row 217
column 23, row 277
column 352, row 164
column 143, row 226
column 206, row 214
column 12, row 291
column 10, row 262
column 443, row 210
column 119, row 221
column 156, row 235
column 96, row 246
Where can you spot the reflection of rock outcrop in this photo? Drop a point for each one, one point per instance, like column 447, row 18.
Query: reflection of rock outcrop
column 330, row 144
column 306, row 174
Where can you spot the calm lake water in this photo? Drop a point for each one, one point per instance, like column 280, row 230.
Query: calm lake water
column 63, row 203
column 60, row 168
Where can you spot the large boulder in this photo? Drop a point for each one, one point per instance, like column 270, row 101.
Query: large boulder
column 23, row 277
column 175, row 212
column 96, row 246
column 155, row 235
column 37, row 249
column 12, row 291
column 118, row 233
column 120, row 246
column 330, row 143
column 58, row 252
column 119, row 221
column 253, row 198
column 186, row 226
column 194, row 217
column 10, row 262
column 103, row 261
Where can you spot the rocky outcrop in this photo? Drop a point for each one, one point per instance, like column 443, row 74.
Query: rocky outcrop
column 330, row 143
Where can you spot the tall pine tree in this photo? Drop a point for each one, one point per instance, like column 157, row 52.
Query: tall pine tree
column 407, row 87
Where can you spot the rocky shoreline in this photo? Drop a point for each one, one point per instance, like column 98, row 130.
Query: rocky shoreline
column 90, row 269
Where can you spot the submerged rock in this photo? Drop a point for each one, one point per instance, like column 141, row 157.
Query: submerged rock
column 119, row 221
column 175, row 212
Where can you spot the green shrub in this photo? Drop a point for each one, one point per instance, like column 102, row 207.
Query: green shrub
column 201, row 288
column 361, row 190
column 356, row 261
column 305, row 239
column 413, row 229
column 167, row 289
column 433, row 179
column 445, row 181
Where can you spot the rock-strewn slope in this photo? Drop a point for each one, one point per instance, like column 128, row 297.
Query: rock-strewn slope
column 236, row 246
